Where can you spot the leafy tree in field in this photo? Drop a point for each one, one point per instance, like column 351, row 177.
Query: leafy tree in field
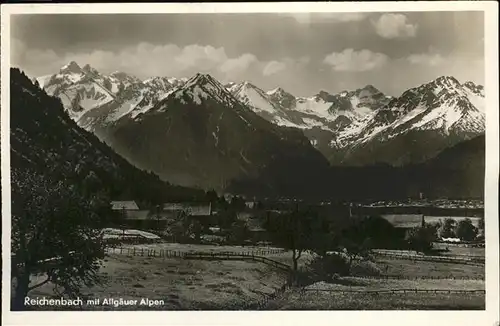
column 465, row 230
column 447, row 228
column 51, row 219
column 297, row 231
column 421, row 238
column 183, row 228
column 355, row 239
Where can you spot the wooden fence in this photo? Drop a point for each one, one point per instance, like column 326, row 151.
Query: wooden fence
column 135, row 251
column 395, row 291
column 462, row 245
column 162, row 253
column 232, row 256
column 440, row 259
column 416, row 278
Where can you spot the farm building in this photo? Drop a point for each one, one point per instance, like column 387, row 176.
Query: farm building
column 404, row 222
column 127, row 205
column 198, row 211
column 144, row 219
column 190, row 209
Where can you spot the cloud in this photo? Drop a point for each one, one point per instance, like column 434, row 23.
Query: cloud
column 289, row 64
column 350, row 60
column 273, row 67
column 394, row 26
column 332, row 17
column 144, row 60
column 238, row 65
column 427, row 59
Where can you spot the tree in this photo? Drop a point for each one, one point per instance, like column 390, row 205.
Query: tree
column 295, row 231
column 183, row 228
column 421, row 238
column 194, row 230
column 447, row 228
column 355, row 239
column 465, row 230
column 51, row 220
column 238, row 232
column 226, row 218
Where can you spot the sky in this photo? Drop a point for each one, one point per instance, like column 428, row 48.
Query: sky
column 300, row 52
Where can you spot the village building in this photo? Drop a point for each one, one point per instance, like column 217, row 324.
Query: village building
column 202, row 212
column 404, row 222
column 127, row 205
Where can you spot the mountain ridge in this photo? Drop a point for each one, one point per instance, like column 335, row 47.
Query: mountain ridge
column 358, row 127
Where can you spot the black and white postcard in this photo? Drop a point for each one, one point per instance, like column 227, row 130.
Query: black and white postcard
column 215, row 163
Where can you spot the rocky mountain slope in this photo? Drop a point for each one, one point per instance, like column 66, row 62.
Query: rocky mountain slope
column 45, row 139
column 418, row 125
column 352, row 128
column 200, row 134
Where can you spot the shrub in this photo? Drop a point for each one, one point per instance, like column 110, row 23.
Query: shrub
column 365, row 268
column 328, row 267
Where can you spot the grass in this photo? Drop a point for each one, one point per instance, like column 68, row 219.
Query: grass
column 409, row 268
column 181, row 284
column 361, row 284
column 293, row 300
column 459, row 251
column 227, row 285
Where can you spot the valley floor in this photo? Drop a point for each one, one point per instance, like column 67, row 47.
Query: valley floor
column 181, row 284
column 187, row 284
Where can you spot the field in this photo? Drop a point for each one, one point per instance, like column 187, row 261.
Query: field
column 403, row 267
column 181, row 284
column 293, row 300
column 460, row 251
column 184, row 284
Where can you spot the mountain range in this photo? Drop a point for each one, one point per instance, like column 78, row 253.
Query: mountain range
column 49, row 142
column 198, row 132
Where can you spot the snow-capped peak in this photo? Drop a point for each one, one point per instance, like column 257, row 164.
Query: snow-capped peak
column 88, row 69
column 203, row 86
column 325, row 96
column 278, row 91
column 370, row 89
column 476, row 89
column 71, row 67
column 450, row 80
column 203, row 80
